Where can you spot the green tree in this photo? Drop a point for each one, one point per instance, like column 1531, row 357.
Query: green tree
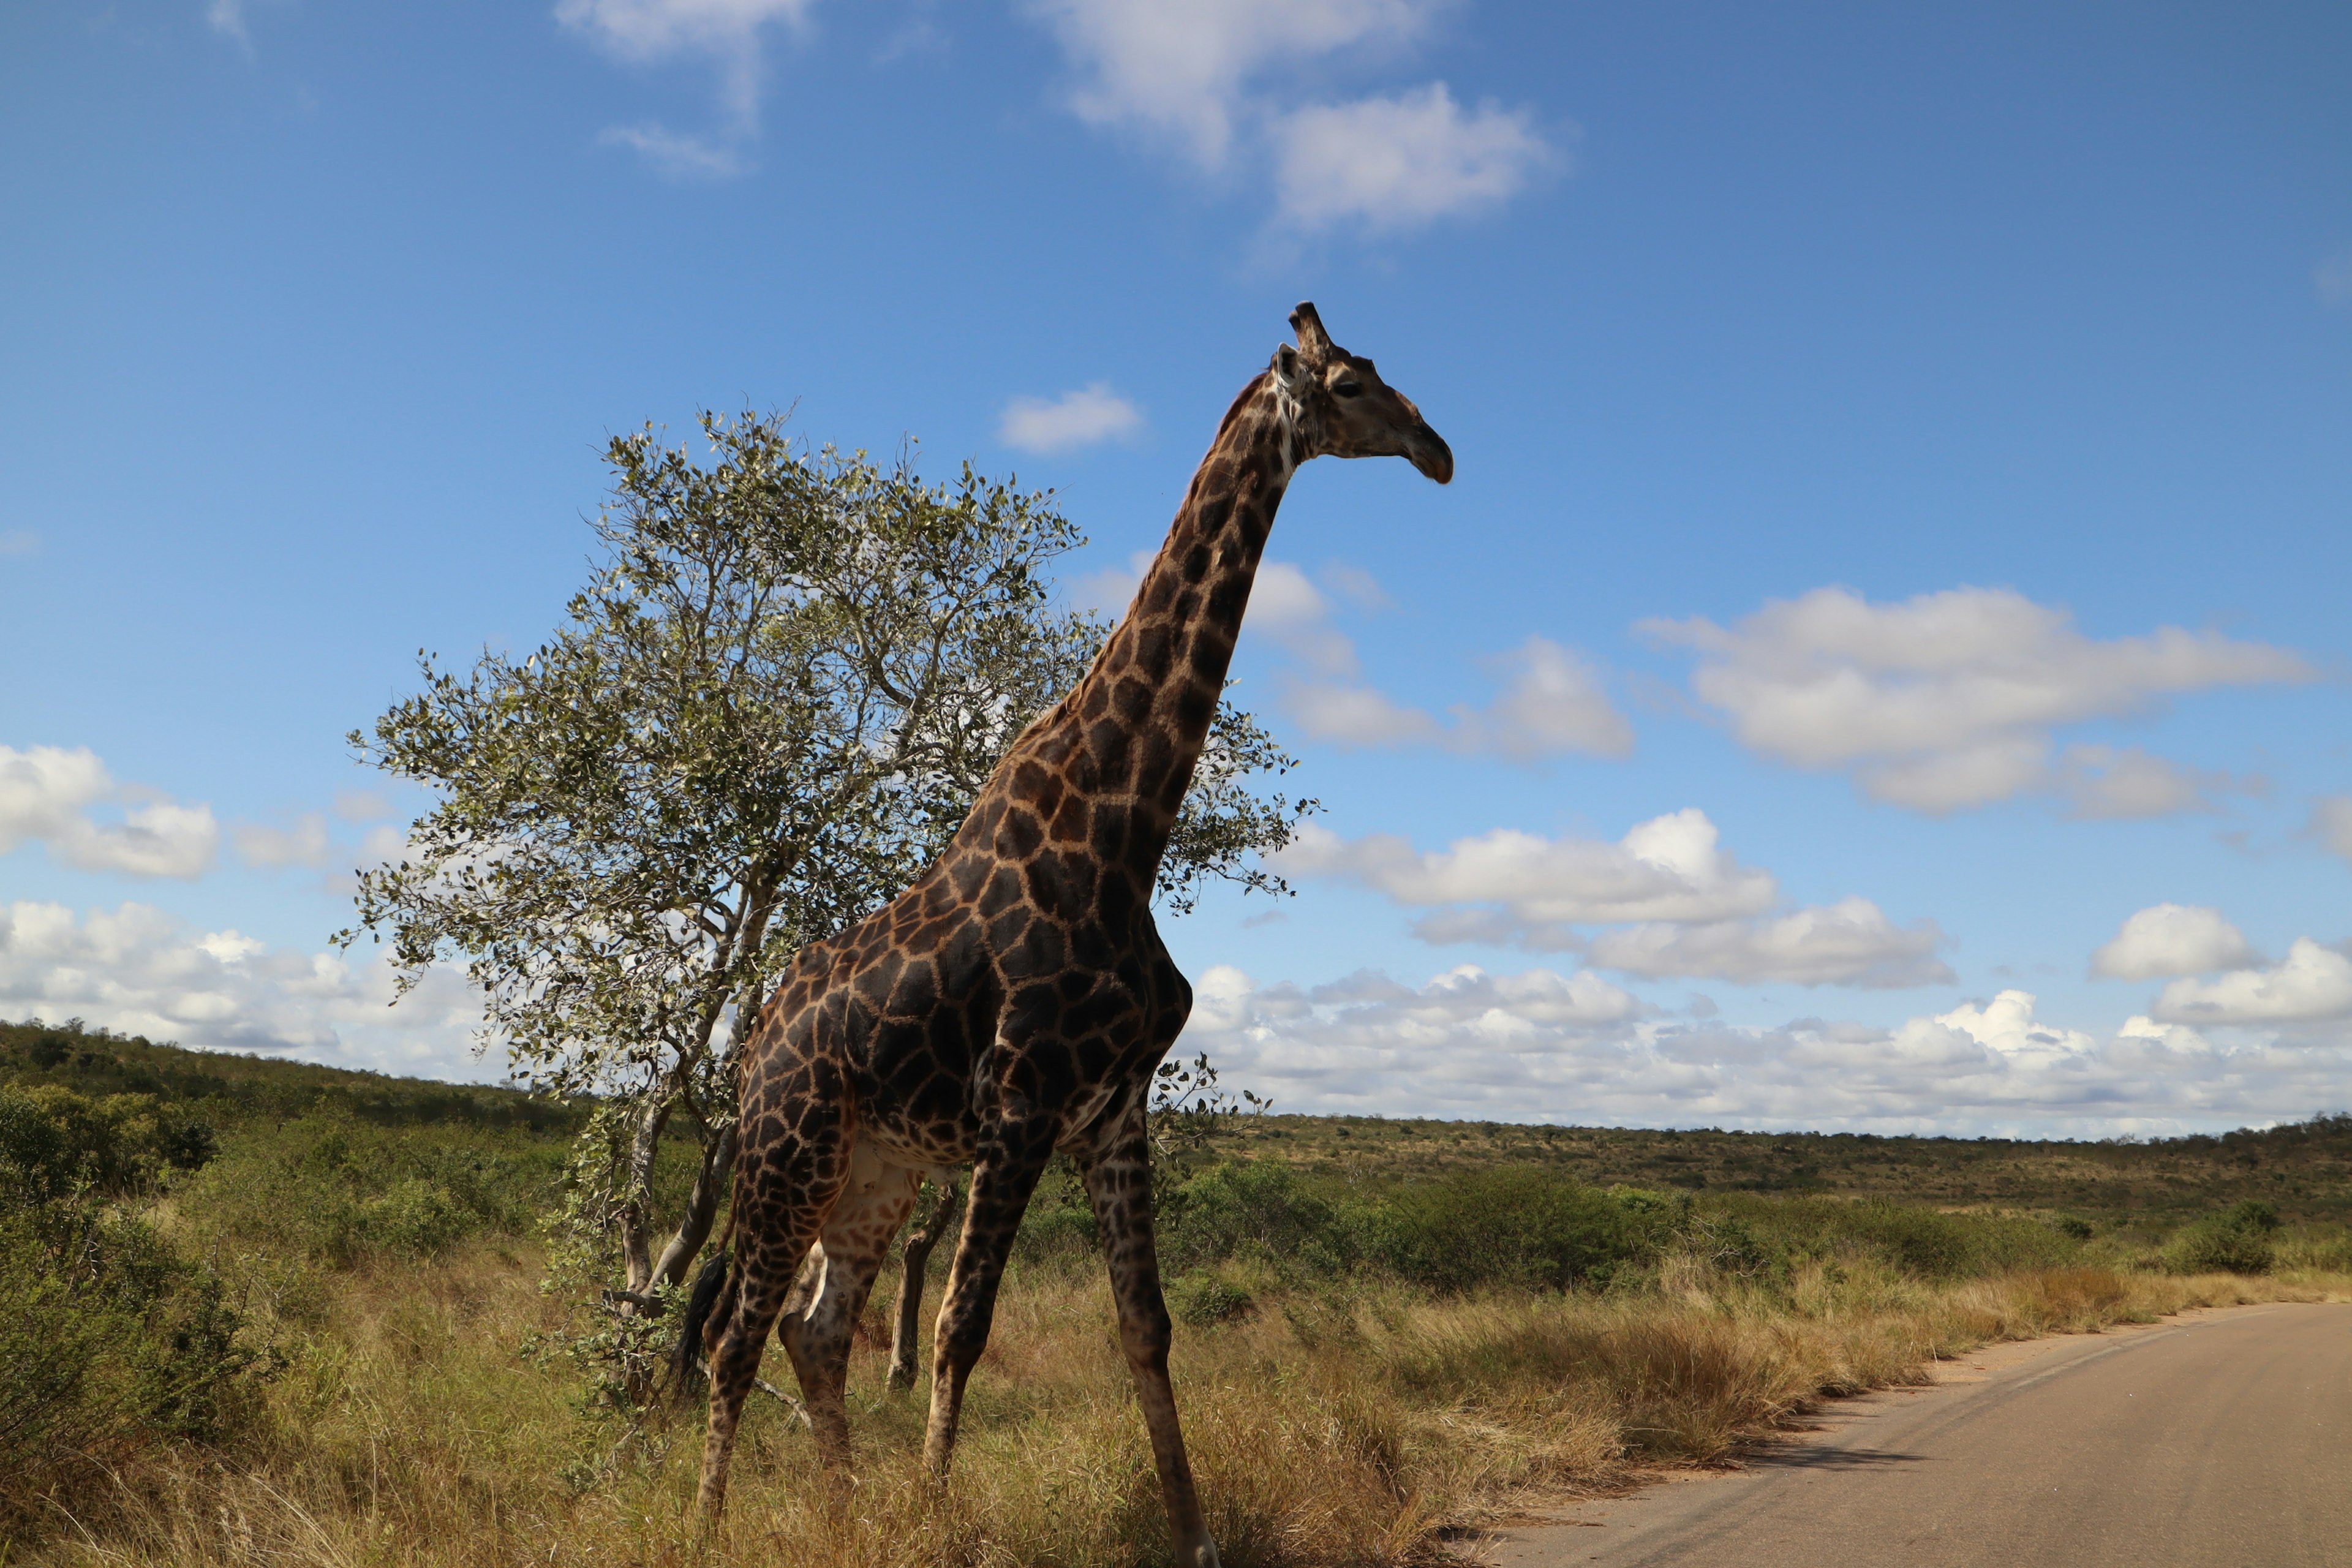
column 765, row 714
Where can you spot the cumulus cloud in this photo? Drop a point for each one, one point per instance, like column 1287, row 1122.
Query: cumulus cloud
column 2311, row 982
column 2166, row 940
column 1526, row 1048
column 2125, row 782
column 1403, row 161
column 50, row 795
column 1082, row 418
column 728, row 33
column 1552, row 701
column 1201, row 77
column 1949, row 700
column 137, row 970
column 1850, row 942
column 1669, row 868
column 675, row 155
column 2331, row 824
column 1687, row 906
column 304, row 842
column 362, row 806
column 1182, row 72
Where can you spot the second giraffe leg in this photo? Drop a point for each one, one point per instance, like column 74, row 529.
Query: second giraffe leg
column 872, row 1206
column 1118, row 1181
column 1012, row 1158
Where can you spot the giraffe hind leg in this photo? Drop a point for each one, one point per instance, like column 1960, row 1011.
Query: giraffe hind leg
column 783, row 1197
column 818, row 1330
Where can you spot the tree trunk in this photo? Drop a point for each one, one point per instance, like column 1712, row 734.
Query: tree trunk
column 710, row 1185
column 636, row 1214
column 917, row 1257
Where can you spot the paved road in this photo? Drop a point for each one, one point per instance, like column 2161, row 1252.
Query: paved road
column 2223, row 1440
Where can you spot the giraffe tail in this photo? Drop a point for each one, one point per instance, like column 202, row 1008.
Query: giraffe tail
column 709, row 1284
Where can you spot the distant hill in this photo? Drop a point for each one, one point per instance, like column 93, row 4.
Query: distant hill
column 2304, row 1168
column 234, row 1088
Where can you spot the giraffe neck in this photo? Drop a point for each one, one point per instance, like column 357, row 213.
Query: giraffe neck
column 1127, row 737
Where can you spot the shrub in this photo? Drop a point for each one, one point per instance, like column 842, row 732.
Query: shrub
column 55, row 1140
column 2254, row 1215
column 2218, row 1247
column 1260, row 1211
column 1511, row 1225
column 108, row 1338
column 331, row 1189
column 1203, row 1300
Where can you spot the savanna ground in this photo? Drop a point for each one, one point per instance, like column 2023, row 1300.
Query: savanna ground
column 259, row 1311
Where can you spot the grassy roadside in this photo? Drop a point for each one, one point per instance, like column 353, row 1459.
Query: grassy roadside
column 1371, row 1351
column 1348, row 1428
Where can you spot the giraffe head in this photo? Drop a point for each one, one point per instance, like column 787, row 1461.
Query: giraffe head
column 1346, row 410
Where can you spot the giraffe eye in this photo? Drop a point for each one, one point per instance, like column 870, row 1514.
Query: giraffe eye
column 1349, row 389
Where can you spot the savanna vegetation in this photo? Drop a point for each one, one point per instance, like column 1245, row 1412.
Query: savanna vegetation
column 259, row 1310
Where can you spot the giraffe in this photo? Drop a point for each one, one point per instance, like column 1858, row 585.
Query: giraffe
column 1016, row 999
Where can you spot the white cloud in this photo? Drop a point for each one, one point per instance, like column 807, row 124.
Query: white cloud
column 2331, row 824
column 20, row 542
column 138, row 970
column 48, row 794
column 1949, row 700
column 362, row 806
column 1403, row 161
column 1851, row 943
column 2125, row 782
column 1688, row 906
column 1552, row 701
column 1092, row 414
column 2166, row 940
column 2332, row 279
column 1668, row 868
column 305, row 843
column 1529, row 1048
column 674, row 155
column 726, row 33
column 2312, row 983
column 1180, row 71
column 1196, row 77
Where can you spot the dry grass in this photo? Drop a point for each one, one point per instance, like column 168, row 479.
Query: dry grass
column 1331, row 1429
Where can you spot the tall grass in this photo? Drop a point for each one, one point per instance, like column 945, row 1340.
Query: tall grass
column 1336, row 1426
column 1363, row 1364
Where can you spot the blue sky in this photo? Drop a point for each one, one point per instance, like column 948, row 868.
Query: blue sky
column 1882, row 662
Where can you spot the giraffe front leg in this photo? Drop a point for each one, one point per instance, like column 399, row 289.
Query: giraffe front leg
column 1119, row 1182
column 1012, row 1157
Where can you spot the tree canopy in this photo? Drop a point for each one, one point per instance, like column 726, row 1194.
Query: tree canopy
column 774, row 702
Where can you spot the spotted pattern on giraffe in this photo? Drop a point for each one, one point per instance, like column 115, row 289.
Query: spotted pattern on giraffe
column 1017, row 998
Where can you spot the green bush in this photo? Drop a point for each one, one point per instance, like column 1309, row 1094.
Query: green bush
column 1203, row 1300
column 56, row 1140
column 110, row 1338
column 1510, row 1226
column 335, row 1190
column 1258, row 1210
column 2226, row 1244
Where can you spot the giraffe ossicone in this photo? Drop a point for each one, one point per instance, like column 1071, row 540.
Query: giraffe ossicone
column 1016, row 999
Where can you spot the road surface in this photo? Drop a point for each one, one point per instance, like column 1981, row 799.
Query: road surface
column 2219, row 1440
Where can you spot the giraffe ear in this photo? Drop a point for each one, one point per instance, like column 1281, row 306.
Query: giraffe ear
column 1309, row 327
column 1287, row 367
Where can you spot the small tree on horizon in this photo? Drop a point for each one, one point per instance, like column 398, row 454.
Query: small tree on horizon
column 773, row 704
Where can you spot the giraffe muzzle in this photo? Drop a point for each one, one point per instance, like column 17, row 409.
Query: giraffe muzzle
column 1428, row 452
